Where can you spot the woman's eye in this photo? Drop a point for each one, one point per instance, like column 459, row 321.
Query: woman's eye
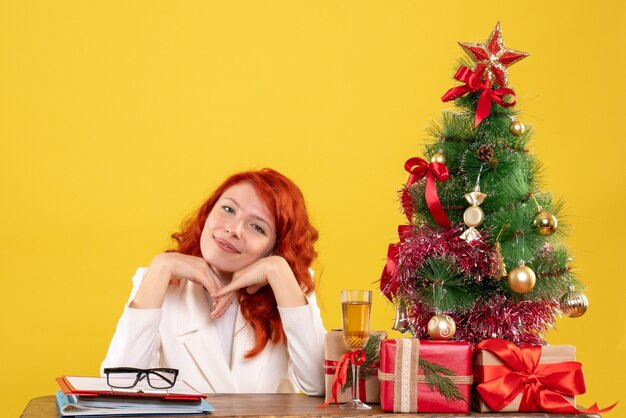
column 258, row 229
column 228, row 209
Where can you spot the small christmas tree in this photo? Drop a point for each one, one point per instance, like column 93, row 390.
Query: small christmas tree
column 482, row 256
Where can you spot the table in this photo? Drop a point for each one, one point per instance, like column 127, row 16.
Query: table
column 287, row 405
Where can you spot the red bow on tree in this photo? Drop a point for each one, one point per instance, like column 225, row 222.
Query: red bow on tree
column 388, row 285
column 487, row 96
column 419, row 168
column 542, row 385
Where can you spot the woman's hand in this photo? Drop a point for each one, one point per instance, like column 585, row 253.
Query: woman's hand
column 173, row 266
column 273, row 270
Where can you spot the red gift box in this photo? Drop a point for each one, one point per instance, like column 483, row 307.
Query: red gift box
column 334, row 347
column 488, row 366
column 530, row 379
column 403, row 386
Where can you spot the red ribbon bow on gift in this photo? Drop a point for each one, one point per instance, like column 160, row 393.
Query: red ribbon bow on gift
column 356, row 357
column 542, row 385
column 419, row 168
column 487, row 97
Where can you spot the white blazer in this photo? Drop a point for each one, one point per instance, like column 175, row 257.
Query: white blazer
column 183, row 335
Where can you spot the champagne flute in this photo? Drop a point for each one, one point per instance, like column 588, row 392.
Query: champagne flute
column 355, row 307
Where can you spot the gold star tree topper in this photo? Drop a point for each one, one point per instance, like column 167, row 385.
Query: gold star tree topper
column 492, row 58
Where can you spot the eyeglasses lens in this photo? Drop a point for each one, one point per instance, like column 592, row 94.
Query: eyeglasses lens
column 122, row 380
column 161, row 379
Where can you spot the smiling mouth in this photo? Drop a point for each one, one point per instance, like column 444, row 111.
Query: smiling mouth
column 226, row 246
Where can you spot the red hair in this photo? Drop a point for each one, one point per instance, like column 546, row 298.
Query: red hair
column 295, row 237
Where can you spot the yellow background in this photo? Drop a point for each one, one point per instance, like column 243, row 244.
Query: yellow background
column 117, row 118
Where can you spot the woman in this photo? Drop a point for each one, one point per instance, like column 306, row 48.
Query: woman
column 232, row 307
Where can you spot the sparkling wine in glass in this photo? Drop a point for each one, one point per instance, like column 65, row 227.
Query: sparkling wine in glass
column 355, row 308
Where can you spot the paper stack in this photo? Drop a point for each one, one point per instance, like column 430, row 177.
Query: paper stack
column 91, row 396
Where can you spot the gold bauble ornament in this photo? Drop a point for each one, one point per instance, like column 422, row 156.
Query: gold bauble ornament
column 521, row 279
column 574, row 303
column 441, row 327
column 473, row 216
column 438, row 157
column 517, row 128
column 545, row 222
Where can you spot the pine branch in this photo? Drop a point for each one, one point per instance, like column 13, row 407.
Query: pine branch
column 371, row 361
column 436, row 378
column 444, row 286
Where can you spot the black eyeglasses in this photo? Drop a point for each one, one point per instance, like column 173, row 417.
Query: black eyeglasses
column 128, row 377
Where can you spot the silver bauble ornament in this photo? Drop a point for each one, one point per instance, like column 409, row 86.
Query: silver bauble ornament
column 401, row 322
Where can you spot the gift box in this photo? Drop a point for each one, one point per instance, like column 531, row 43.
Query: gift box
column 334, row 348
column 425, row 376
column 509, row 378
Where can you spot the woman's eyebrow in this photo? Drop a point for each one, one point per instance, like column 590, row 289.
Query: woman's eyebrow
column 232, row 200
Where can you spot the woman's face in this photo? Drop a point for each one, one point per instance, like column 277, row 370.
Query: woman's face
column 238, row 231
